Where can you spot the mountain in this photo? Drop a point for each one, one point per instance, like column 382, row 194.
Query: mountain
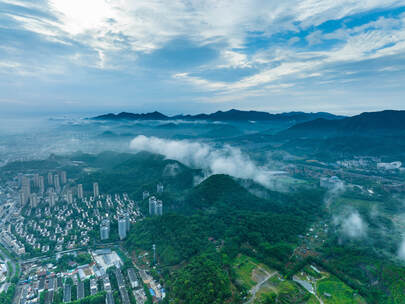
column 388, row 122
column 132, row 116
column 238, row 115
column 231, row 115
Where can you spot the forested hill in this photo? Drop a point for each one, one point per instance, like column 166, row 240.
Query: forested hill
column 388, row 122
column 222, row 192
column 132, row 116
column 220, row 214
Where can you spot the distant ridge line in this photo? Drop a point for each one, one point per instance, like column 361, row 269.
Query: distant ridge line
column 231, row 115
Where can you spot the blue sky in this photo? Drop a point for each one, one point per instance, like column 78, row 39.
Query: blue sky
column 341, row 56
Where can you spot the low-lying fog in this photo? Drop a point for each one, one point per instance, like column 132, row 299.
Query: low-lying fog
column 37, row 137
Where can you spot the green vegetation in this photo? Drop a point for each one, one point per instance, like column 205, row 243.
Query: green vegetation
column 7, row 297
column 98, row 298
column 221, row 216
column 377, row 279
column 244, row 267
column 201, row 281
column 290, row 292
column 118, row 175
column 334, row 291
column 43, row 296
column 69, row 261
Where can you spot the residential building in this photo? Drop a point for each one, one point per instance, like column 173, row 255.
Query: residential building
column 56, row 182
column 159, row 188
column 41, row 185
column 152, row 205
column 26, row 185
column 96, row 191
column 33, row 200
column 133, row 279
column 69, row 197
column 80, row 191
column 50, row 179
column 105, row 230
column 11, row 242
column 52, row 199
column 127, row 221
column 122, row 228
column 23, row 198
column 155, row 206
column 36, row 180
column 159, row 208
column 63, row 177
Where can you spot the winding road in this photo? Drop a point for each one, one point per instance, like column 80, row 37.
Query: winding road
column 257, row 287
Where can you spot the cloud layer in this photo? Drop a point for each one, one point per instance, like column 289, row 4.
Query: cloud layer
column 253, row 53
column 224, row 160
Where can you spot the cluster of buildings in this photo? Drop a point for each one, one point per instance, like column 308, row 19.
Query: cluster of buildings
column 331, row 182
column 34, row 188
column 49, row 214
column 155, row 206
column 9, row 241
column 369, row 163
column 390, row 166
column 39, row 278
column 57, row 215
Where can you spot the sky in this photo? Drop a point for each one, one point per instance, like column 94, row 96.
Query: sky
column 189, row 56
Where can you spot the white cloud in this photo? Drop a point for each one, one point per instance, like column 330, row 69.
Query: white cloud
column 148, row 24
column 314, row 37
column 223, row 160
column 374, row 40
column 351, row 225
column 234, row 60
column 114, row 34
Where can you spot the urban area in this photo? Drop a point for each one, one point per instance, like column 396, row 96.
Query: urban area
column 60, row 245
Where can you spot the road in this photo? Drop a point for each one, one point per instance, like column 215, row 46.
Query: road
column 257, row 287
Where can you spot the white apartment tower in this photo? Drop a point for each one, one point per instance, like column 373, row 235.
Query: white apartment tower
column 41, row 185
column 52, row 199
column 69, row 197
column 105, row 230
column 33, row 201
column 80, row 191
column 36, row 180
column 96, row 191
column 56, row 182
column 63, row 177
column 122, row 228
column 159, row 188
column 50, row 179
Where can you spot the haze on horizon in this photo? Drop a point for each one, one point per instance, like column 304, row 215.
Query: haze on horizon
column 343, row 57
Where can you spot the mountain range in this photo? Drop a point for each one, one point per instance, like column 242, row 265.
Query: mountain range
column 231, row 115
column 387, row 122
